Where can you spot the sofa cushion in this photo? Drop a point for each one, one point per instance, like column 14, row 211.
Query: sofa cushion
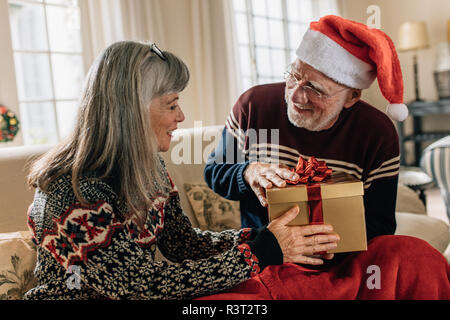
column 17, row 262
column 432, row 230
column 212, row 211
column 15, row 196
column 409, row 201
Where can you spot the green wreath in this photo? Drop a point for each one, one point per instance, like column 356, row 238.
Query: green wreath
column 9, row 124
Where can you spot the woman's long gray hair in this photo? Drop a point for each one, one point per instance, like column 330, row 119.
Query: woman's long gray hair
column 112, row 135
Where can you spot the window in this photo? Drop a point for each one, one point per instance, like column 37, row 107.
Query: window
column 47, row 48
column 268, row 33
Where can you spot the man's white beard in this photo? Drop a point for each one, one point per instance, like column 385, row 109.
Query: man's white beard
column 308, row 123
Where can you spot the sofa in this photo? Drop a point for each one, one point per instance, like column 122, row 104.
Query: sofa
column 201, row 205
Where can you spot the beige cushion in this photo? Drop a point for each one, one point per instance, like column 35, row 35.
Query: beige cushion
column 409, row 201
column 212, row 211
column 17, row 262
column 432, row 230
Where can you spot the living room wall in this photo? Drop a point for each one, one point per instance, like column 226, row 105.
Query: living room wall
column 393, row 14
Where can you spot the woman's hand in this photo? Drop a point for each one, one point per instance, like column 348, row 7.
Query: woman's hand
column 298, row 243
column 262, row 176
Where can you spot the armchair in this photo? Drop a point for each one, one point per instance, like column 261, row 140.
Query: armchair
column 435, row 161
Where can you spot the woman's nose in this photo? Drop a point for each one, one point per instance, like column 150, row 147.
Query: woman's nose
column 180, row 115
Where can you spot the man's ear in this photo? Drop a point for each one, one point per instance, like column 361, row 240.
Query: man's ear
column 353, row 96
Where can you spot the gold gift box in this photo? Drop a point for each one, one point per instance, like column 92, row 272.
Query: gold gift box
column 342, row 207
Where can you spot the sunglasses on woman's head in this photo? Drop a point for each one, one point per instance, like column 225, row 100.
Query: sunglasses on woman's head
column 154, row 48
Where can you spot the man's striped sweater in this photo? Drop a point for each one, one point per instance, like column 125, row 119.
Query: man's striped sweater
column 363, row 142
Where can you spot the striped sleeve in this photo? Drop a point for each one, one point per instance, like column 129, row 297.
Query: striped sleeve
column 380, row 190
column 234, row 128
column 388, row 169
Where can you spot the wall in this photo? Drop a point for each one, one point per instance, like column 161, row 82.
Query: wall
column 393, row 13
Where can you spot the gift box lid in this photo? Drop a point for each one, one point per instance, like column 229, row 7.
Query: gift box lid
column 339, row 185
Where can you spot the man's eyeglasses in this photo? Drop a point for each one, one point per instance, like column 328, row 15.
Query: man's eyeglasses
column 154, row 48
column 294, row 80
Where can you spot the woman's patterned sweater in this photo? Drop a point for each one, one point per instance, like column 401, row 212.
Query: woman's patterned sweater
column 116, row 261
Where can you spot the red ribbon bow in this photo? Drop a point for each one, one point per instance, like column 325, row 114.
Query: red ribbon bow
column 311, row 171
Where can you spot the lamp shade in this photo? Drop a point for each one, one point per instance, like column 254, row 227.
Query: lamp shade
column 413, row 36
column 448, row 30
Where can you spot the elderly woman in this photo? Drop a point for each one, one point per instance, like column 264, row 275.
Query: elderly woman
column 104, row 201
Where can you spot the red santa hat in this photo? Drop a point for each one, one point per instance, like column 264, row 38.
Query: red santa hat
column 354, row 55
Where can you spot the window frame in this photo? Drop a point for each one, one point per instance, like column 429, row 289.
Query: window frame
column 8, row 85
column 255, row 77
column 8, row 81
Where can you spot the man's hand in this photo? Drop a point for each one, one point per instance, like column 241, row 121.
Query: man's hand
column 262, row 176
column 298, row 243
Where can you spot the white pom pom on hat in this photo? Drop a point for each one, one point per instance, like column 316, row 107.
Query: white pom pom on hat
column 355, row 55
column 397, row 111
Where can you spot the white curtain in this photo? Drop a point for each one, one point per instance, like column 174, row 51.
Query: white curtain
column 109, row 21
column 198, row 31
column 202, row 65
column 214, row 65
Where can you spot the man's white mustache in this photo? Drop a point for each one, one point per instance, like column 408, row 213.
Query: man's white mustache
column 302, row 107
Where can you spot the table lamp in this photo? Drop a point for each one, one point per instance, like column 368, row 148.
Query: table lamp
column 413, row 36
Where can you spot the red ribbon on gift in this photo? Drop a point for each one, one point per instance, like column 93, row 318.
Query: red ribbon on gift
column 315, row 204
column 311, row 172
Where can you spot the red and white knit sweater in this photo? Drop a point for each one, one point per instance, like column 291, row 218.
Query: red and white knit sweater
column 116, row 261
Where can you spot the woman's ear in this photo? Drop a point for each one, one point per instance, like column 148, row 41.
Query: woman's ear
column 353, row 96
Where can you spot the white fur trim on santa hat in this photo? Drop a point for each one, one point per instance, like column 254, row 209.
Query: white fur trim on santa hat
column 327, row 56
column 397, row 111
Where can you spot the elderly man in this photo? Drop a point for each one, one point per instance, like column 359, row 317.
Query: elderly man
column 317, row 112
